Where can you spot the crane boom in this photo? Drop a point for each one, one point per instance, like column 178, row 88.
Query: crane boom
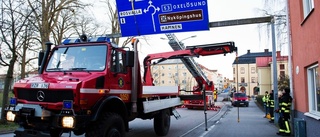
column 185, row 55
column 190, row 63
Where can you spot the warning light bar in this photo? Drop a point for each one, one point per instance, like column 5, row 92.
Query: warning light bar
column 93, row 39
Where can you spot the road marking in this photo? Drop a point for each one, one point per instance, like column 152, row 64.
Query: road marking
column 202, row 124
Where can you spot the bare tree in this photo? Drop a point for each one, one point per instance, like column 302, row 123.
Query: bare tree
column 12, row 31
column 277, row 9
column 115, row 26
column 47, row 14
column 65, row 24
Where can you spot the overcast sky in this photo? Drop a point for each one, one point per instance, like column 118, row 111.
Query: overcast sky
column 246, row 37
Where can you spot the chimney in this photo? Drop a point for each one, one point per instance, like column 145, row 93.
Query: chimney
column 278, row 54
column 266, row 50
column 248, row 51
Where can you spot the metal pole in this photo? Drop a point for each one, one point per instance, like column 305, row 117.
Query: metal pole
column 274, row 68
column 205, row 107
column 135, row 73
column 249, row 80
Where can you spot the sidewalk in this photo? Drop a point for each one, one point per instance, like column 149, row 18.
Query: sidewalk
column 244, row 122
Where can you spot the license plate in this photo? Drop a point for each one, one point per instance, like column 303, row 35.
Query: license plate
column 241, row 103
column 40, row 85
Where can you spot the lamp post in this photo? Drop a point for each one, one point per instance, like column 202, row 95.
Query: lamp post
column 193, row 36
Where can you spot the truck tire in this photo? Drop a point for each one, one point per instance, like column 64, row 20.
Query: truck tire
column 161, row 122
column 110, row 125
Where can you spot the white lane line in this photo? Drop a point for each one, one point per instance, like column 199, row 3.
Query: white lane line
column 202, row 124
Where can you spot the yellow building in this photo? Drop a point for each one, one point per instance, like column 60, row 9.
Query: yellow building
column 245, row 74
column 265, row 70
column 253, row 71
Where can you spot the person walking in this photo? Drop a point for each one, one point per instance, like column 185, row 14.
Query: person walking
column 265, row 100
column 284, row 110
column 271, row 106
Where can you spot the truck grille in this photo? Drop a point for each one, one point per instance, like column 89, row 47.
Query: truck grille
column 49, row 95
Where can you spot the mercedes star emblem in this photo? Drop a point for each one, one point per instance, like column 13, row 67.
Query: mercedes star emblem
column 40, row 95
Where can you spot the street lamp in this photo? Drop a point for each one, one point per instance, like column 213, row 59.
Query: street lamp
column 193, row 36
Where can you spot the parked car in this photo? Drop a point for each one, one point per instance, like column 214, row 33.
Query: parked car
column 239, row 99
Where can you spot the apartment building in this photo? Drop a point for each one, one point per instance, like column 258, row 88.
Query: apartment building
column 245, row 74
column 173, row 72
column 265, row 71
column 305, row 31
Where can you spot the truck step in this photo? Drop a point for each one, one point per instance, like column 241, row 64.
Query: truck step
column 176, row 114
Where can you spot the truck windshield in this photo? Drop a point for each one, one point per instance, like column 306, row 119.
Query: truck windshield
column 80, row 58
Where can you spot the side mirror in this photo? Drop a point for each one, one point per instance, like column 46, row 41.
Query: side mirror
column 40, row 58
column 129, row 59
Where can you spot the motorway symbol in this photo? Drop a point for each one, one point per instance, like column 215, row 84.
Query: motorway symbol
column 144, row 17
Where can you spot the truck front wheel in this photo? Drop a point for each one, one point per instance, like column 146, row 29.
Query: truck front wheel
column 110, row 125
column 161, row 122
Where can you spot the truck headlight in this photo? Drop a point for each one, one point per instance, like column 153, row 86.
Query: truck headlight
column 10, row 116
column 68, row 121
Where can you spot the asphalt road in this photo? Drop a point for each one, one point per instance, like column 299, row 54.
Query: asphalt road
column 192, row 123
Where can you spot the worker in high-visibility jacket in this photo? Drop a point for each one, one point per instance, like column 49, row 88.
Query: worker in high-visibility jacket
column 215, row 95
column 265, row 100
column 284, row 112
column 271, row 106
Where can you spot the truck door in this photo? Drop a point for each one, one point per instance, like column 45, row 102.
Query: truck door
column 120, row 76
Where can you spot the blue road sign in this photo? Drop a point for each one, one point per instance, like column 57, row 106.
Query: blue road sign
column 143, row 17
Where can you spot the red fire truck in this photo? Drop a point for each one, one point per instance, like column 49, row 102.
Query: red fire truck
column 93, row 87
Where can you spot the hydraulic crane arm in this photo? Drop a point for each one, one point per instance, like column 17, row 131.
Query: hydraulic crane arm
column 192, row 51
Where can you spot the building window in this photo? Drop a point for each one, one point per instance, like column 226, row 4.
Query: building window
column 155, row 74
column 184, row 73
column 281, row 66
column 253, row 70
column 308, row 6
column 163, row 67
column 243, row 80
column 234, row 70
column 282, row 74
column 253, row 80
column 162, row 74
column 242, row 70
column 314, row 90
column 184, row 82
column 162, row 81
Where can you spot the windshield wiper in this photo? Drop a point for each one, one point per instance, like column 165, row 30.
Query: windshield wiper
column 54, row 69
column 77, row 68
